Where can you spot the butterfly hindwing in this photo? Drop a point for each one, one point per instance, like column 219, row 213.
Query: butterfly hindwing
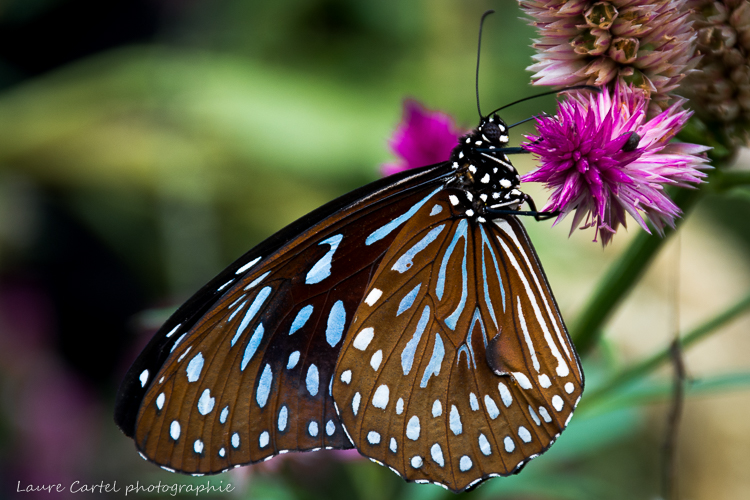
column 248, row 375
column 445, row 377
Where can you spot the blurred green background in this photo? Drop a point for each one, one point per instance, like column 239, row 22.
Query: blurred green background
column 146, row 144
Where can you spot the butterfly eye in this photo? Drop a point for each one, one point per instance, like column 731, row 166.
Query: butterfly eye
column 491, row 131
column 632, row 142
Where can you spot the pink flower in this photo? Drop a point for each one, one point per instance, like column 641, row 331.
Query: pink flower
column 602, row 158
column 422, row 138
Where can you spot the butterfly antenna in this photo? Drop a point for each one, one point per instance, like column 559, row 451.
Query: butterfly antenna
column 479, row 50
column 574, row 87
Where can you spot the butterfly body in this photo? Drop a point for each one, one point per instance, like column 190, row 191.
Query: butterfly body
column 406, row 319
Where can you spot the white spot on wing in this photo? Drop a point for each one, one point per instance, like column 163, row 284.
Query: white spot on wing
column 376, row 359
column 400, row 406
column 545, row 414
column 283, row 417
column 264, row 438
column 473, row 402
column 491, row 406
column 355, row 403
column 194, row 368
column 465, row 463
column 380, row 399
column 455, row 421
column 557, row 402
column 144, row 378
column 505, row 394
column 174, row 430
column 522, row 380
column 373, row 437
column 524, row 434
column 160, row 401
column 437, row 408
column 363, row 338
column 436, row 452
column 206, row 403
column 346, row 377
column 413, row 428
column 247, row 266
column 569, row 388
column 484, row 445
column 534, row 416
column 373, row 296
column 509, row 444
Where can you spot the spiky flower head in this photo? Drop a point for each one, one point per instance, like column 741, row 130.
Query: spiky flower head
column 720, row 90
column 422, row 138
column 603, row 158
column 647, row 43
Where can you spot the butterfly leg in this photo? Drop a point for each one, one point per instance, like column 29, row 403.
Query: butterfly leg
column 540, row 216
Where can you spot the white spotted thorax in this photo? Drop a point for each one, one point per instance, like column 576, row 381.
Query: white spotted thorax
column 483, row 172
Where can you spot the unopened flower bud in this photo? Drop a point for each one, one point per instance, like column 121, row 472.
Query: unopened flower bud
column 624, row 50
column 601, row 15
column 633, row 21
column 593, row 42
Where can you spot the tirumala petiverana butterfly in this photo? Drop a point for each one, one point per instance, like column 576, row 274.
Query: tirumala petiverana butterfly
column 410, row 319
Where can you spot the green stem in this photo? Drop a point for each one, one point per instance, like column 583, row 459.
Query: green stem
column 726, row 180
column 650, row 364
column 622, row 276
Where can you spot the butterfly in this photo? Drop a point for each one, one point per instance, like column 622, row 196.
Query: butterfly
column 410, row 318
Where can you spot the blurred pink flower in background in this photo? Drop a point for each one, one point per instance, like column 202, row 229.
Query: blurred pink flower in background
column 422, row 138
column 53, row 416
column 603, row 158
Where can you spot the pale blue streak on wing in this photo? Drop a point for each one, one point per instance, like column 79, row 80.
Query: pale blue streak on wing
column 302, row 316
column 312, row 381
column 231, row 316
column 322, row 269
column 257, row 280
column 486, row 243
column 405, row 262
column 384, row 231
column 194, row 368
column 407, row 355
column 251, row 312
column 252, row 346
column 436, row 360
column 264, row 386
column 440, row 287
column 453, row 318
column 336, row 321
column 408, row 300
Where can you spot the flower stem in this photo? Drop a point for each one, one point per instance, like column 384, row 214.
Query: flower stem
column 650, row 364
column 726, row 180
column 621, row 277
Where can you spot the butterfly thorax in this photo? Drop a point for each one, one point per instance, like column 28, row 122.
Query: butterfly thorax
column 484, row 174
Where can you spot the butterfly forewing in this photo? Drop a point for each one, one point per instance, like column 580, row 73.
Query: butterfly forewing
column 462, row 369
column 250, row 377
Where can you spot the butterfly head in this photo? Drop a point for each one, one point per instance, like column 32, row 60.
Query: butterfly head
column 483, row 171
